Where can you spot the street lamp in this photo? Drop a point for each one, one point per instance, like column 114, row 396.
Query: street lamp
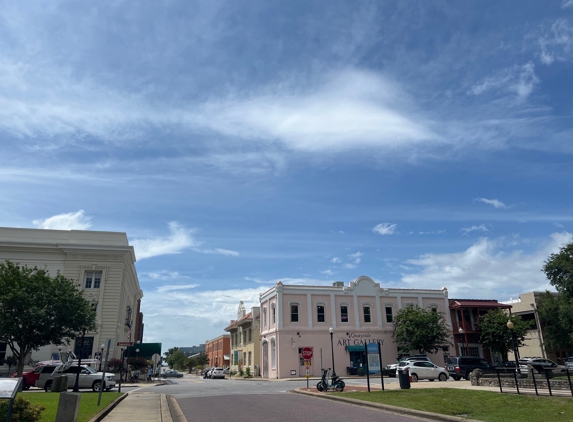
column 461, row 331
column 330, row 330
column 76, row 385
column 101, row 355
column 510, row 326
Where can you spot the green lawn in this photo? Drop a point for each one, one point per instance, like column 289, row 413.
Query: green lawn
column 88, row 404
column 481, row 405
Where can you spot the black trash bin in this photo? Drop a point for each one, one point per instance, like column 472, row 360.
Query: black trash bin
column 404, row 378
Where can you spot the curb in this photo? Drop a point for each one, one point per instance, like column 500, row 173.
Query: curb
column 387, row 407
column 176, row 413
column 104, row 412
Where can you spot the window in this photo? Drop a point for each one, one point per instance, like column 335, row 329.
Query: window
column 343, row 313
column 389, row 314
column 273, row 353
column 320, row 313
column 264, row 317
column 367, row 317
column 250, row 357
column 92, row 279
column 250, row 335
column 274, row 314
column 293, row 313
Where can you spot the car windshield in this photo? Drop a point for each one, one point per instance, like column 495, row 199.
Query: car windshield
column 90, row 370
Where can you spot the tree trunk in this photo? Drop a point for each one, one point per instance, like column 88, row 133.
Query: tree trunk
column 21, row 356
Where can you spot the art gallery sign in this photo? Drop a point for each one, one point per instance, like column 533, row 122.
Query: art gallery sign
column 358, row 339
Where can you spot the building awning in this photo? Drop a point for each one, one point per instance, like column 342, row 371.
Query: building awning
column 468, row 303
column 356, row 348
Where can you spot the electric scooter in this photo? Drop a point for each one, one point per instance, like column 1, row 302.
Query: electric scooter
column 336, row 384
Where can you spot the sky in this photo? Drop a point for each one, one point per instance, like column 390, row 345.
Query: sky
column 239, row 143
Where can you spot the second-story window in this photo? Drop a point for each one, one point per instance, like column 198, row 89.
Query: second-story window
column 367, row 317
column 265, row 317
column 293, row 313
column 274, row 314
column 320, row 313
column 389, row 314
column 343, row 313
column 250, row 335
column 92, row 280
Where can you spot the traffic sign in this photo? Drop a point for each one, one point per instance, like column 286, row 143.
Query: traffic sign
column 125, row 343
column 156, row 358
column 306, row 353
column 306, row 363
column 307, row 373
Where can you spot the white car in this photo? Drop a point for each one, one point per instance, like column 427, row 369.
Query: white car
column 541, row 365
column 217, row 373
column 424, row 371
column 89, row 378
column 392, row 369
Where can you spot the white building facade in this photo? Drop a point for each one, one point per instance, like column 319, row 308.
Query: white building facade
column 297, row 317
column 102, row 264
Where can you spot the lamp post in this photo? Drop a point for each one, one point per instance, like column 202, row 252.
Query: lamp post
column 461, row 331
column 76, row 385
column 121, row 368
column 101, row 355
column 330, row 330
column 510, row 326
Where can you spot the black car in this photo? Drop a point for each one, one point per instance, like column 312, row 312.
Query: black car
column 461, row 367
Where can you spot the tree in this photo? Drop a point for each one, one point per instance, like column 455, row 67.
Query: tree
column 202, row 359
column 424, row 330
column 559, row 270
column 496, row 336
column 37, row 310
column 11, row 361
column 176, row 359
column 556, row 318
column 169, row 352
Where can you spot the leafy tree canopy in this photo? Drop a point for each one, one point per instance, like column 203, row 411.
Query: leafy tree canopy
column 169, row 352
column 37, row 310
column 424, row 330
column 176, row 360
column 496, row 336
column 559, row 270
column 556, row 318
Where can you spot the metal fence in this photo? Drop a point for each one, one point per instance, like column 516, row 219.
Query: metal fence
column 540, row 382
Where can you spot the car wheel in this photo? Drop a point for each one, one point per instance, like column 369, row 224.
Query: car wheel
column 442, row 377
column 96, row 386
column 48, row 386
column 414, row 378
column 456, row 378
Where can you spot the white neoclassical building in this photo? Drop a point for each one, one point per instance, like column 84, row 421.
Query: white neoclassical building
column 101, row 263
column 296, row 317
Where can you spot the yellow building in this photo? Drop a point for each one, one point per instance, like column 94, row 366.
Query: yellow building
column 245, row 340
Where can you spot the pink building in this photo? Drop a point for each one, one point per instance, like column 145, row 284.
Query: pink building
column 295, row 317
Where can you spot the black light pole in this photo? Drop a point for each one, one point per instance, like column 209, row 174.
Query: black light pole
column 121, row 369
column 461, row 331
column 513, row 343
column 76, row 385
column 330, row 330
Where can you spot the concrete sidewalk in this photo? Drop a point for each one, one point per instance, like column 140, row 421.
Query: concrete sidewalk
column 142, row 407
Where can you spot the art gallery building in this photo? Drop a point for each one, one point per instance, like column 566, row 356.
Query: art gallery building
column 294, row 317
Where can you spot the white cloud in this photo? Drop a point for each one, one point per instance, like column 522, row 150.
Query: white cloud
column 520, row 80
column 327, row 272
column 218, row 251
column 566, row 4
column 70, row 221
column 481, row 228
column 336, row 260
column 556, row 42
column 487, row 269
column 494, row 202
column 176, row 288
column 177, row 241
column 356, row 257
column 165, row 275
column 433, row 232
column 385, row 228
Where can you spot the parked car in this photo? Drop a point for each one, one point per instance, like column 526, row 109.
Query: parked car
column 217, row 373
column 541, row 365
column 420, row 370
column 392, row 368
column 461, row 367
column 29, row 378
column 569, row 363
column 89, row 378
column 171, row 373
column 508, row 366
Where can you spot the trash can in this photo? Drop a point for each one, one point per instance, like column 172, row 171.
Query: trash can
column 404, row 378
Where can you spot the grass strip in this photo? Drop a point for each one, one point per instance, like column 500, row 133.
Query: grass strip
column 481, row 405
column 88, row 404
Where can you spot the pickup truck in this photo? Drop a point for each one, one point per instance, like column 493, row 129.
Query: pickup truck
column 89, row 378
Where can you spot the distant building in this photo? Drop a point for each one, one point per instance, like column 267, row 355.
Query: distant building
column 218, row 351
column 193, row 350
column 465, row 315
column 245, row 339
column 102, row 264
column 297, row 317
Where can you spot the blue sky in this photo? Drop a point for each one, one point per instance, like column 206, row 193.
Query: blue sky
column 238, row 143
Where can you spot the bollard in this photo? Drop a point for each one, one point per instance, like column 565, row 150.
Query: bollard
column 68, row 407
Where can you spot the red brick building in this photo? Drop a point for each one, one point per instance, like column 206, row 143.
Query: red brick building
column 219, row 351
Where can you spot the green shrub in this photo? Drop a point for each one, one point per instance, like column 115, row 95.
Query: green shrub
column 22, row 411
column 248, row 372
column 241, row 371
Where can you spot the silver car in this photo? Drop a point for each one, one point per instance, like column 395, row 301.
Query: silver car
column 217, row 373
column 171, row 373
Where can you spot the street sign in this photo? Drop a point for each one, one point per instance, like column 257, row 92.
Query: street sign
column 306, row 363
column 156, row 358
column 372, row 347
column 124, row 343
column 307, row 372
column 306, row 353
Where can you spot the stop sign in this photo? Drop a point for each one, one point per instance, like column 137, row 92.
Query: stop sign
column 306, row 353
